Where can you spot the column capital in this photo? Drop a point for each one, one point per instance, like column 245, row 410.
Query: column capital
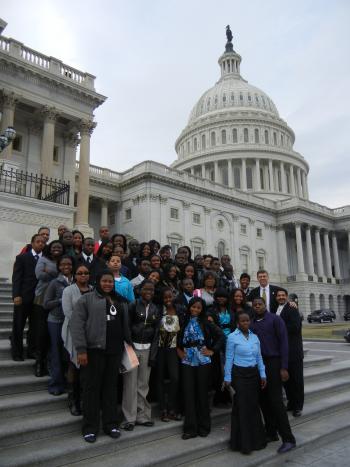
column 49, row 114
column 186, row 205
column 207, row 210
column 71, row 139
column 34, row 126
column 317, row 229
column 86, row 127
column 9, row 100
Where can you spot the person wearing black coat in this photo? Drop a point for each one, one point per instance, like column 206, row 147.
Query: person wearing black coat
column 198, row 341
column 265, row 291
column 87, row 258
column 144, row 318
column 24, row 282
column 294, row 387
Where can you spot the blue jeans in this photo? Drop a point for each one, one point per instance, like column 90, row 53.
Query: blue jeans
column 56, row 382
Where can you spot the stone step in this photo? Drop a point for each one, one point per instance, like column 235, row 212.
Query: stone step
column 322, row 389
column 18, row 384
column 6, row 313
column 313, row 374
column 310, row 436
column 10, row 368
column 312, row 361
column 19, row 405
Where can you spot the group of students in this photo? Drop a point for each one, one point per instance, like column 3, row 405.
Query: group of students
column 207, row 337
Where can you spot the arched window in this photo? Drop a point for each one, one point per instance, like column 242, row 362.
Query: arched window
column 195, row 144
column 312, row 302
column 223, row 136
column 234, row 135
column 224, row 99
column 237, row 177
column 331, row 302
column 213, row 138
column 266, row 135
column 274, row 138
column 244, row 254
column 245, row 135
column 256, row 135
column 221, row 249
column 262, row 180
column 188, row 147
column 232, row 97
column 282, row 140
column 322, row 301
column 249, row 178
column 203, row 141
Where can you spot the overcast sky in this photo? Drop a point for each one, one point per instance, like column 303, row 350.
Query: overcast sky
column 155, row 58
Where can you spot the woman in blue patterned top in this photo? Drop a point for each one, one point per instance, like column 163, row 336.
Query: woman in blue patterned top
column 198, row 340
column 245, row 371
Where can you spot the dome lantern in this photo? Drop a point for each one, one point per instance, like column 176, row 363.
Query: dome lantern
column 230, row 60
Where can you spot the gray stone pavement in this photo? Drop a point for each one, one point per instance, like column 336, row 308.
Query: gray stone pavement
column 338, row 350
column 335, row 454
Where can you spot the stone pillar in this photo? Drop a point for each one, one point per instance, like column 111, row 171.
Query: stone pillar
column 235, row 244
column 283, row 178
column 335, row 255
column 82, row 218
column 9, row 101
column 216, row 172
column 300, row 256
column 104, row 213
column 203, row 170
column 303, row 184
column 244, row 175
column 328, row 254
column 310, row 258
column 282, row 250
column 320, row 270
column 349, row 246
column 163, row 219
column 48, row 140
column 71, row 141
column 186, row 222
column 257, row 175
column 192, row 170
column 272, row 185
column 207, row 212
column 299, row 189
column 291, row 180
column 230, row 173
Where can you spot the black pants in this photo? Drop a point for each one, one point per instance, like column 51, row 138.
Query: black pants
column 20, row 315
column 195, row 383
column 41, row 333
column 100, row 384
column 247, row 429
column 168, row 365
column 271, row 402
column 294, row 387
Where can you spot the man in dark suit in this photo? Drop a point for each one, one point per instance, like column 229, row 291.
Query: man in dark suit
column 265, row 291
column 87, row 258
column 24, row 282
column 294, row 387
column 131, row 261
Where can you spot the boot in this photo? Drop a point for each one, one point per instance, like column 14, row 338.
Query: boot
column 73, row 400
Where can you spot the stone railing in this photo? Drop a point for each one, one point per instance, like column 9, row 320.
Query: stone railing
column 315, row 207
column 51, row 65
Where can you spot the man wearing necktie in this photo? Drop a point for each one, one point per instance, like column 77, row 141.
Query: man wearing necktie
column 24, row 282
column 87, row 258
column 266, row 291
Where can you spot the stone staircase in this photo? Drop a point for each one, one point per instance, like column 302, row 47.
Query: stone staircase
column 37, row 429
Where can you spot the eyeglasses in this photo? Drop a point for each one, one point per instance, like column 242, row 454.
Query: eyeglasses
column 82, row 274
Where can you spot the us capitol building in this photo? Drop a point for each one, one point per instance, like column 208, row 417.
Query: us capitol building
column 237, row 185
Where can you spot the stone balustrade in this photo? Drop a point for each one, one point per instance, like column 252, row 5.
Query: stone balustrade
column 49, row 64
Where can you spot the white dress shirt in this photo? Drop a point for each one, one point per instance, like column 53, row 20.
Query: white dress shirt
column 279, row 309
column 86, row 257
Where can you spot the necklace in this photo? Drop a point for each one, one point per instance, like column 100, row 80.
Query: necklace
column 112, row 310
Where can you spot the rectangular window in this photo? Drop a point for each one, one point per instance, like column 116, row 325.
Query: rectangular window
column 112, row 219
column 249, row 175
column 17, row 143
column 55, row 154
column 174, row 213
column 243, row 229
column 196, row 218
column 174, row 247
column 128, row 214
column 237, row 177
column 197, row 250
column 261, row 262
column 259, row 233
column 244, row 262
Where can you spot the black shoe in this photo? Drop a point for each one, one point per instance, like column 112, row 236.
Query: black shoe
column 56, row 392
column 114, row 433
column 285, row 447
column 272, row 438
column 74, row 409
column 148, row 423
column 203, row 434
column 189, row 435
column 297, row 413
column 90, row 438
column 128, row 426
column 31, row 356
column 17, row 358
column 39, row 369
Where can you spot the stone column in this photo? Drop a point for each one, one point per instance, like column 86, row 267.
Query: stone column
column 300, row 256
column 71, row 141
column 192, row 170
column 320, row 269
column 230, row 173
column 207, row 213
column 235, row 243
column 272, row 185
column 328, row 254
column 186, row 222
column 82, row 218
column 283, row 178
column 9, row 102
column 203, row 170
column 104, row 213
column 163, row 219
column 291, row 180
column 48, row 140
column 244, row 175
column 282, row 250
column 299, row 189
column 335, row 255
column 216, row 172
column 257, row 175
column 310, row 258
column 303, row 184
column 349, row 245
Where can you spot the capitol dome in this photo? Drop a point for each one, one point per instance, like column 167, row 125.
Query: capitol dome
column 235, row 137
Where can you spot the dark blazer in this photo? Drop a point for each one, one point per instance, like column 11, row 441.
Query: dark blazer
column 292, row 320
column 133, row 269
column 24, row 279
column 255, row 293
column 95, row 267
